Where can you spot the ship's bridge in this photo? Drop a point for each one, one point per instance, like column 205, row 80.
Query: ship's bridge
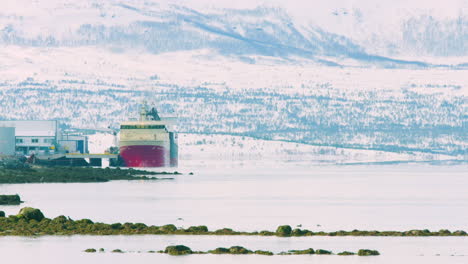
column 143, row 125
column 144, row 131
column 164, row 123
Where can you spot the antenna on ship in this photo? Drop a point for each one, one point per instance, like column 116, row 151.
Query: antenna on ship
column 143, row 111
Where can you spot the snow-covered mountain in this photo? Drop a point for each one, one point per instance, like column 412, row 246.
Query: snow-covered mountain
column 347, row 74
column 160, row 26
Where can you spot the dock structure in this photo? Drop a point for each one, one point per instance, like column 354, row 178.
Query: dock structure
column 79, row 159
column 94, row 159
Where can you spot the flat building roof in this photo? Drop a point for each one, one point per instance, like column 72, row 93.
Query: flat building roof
column 33, row 128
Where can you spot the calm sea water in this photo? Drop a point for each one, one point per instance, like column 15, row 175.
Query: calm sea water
column 70, row 249
column 385, row 197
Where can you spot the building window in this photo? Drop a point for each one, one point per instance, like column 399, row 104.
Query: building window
column 48, row 140
column 35, row 140
column 19, row 140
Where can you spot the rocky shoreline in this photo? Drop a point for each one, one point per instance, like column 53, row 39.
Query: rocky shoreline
column 40, row 174
column 32, row 222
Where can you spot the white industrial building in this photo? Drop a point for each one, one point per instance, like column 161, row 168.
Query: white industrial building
column 43, row 138
column 7, row 141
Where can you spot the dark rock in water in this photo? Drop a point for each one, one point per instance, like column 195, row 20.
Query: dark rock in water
column 90, row 250
column 101, row 250
column 262, row 252
column 117, row 251
column 30, row 213
column 368, row 252
column 284, row 231
column 219, row 250
column 10, row 199
column 346, row 253
column 178, row 250
column 239, row 250
column 323, row 252
column 2, row 214
column 303, row 252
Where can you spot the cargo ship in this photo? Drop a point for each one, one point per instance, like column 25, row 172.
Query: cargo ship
column 147, row 142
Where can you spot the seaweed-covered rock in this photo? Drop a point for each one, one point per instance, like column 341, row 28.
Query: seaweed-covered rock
column 219, row 250
column 224, row 231
column 323, row 252
column 90, row 250
column 263, row 252
column 459, row 233
column 197, row 229
column 168, row 228
column 284, row 231
column 444, row 232
column 424, row 232
column 116, row 226
column 139, row 226
column 178, row 250
column 117, row 251
column 298, row 232
column 239, row 250
column 346, row 253
column 308, row 251
column 266, row 233
column 368, row 252
column 60, row 219
column 84, row 222
column 2, row 214
column 30, row 213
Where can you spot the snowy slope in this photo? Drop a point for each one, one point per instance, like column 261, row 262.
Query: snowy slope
column 384, row 109
column 205, row 150
column 366, row 75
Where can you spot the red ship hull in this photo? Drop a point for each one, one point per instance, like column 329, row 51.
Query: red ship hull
column 145, row 156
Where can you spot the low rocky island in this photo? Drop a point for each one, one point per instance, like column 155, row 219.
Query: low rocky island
column 32, row 222
column 40, row 174
column 181, row 250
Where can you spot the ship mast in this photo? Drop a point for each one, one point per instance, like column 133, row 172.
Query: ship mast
column 151, row 115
